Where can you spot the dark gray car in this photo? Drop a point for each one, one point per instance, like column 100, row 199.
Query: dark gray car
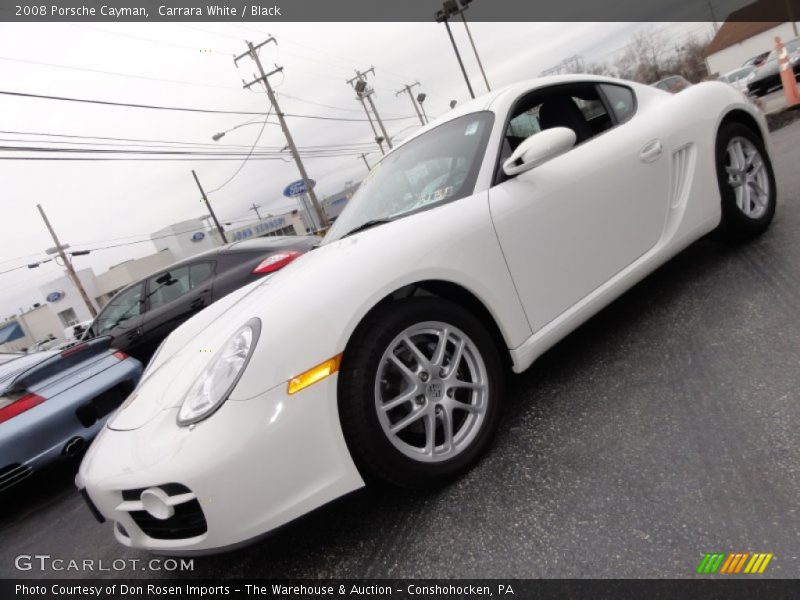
column 142, row 314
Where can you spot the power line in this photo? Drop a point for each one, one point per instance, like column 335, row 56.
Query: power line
column 183, row 108
column 165, row 142
column 154, row 41
column 160, row 152
column 116, row 73
column 249, row 154
column 160, row 80
column 151, row 159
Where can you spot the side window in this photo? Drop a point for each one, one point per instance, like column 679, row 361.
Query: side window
column 200, row 272
column 580, row 107
column 167, row 287
column 525, row 124
column 125, row 306
column 621, row 100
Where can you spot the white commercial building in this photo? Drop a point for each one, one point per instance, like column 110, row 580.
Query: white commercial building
column 736, row 42
column 65, row 299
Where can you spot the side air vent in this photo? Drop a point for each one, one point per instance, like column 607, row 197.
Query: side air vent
column 683, row 161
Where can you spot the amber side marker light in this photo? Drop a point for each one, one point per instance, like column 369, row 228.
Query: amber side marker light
column 314, row 374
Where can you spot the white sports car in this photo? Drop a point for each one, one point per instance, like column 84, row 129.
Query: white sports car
column 470, row 249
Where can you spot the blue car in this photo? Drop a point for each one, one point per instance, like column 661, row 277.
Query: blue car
column 53, row 403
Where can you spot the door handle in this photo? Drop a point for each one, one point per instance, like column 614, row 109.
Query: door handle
column 135, row 333
column 198, row 303
column 651, row 151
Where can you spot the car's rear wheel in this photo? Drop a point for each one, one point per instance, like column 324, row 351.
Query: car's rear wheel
column 420, row 391
column 746, row 183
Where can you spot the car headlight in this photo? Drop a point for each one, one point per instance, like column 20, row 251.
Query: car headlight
column 216, row 382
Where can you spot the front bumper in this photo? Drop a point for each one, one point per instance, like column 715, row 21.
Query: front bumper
column 252, row 466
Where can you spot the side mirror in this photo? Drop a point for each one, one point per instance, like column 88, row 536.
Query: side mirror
column 538, row 149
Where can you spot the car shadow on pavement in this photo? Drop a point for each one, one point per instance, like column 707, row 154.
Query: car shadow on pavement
column 42, row 488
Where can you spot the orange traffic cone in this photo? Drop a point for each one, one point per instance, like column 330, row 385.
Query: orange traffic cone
column 787, row 75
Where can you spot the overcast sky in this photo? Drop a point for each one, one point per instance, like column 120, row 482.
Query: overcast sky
column 97, row 204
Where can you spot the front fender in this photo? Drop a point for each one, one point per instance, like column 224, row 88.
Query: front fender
column 310, row 310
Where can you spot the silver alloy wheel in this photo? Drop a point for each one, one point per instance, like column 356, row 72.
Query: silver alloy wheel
column 747, row 176
column 431, row 391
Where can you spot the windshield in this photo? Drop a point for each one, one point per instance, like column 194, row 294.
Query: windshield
column 439, row 166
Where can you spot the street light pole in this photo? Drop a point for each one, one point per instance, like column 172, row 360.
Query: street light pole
column 441, row 17
column 252, row 53
column 210, row 210
column 364, row 158
column 255, row 207
column 474, row 49
column 421, row 99
column 68, row 265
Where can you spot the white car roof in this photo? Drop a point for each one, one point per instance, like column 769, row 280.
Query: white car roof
column 489, row 100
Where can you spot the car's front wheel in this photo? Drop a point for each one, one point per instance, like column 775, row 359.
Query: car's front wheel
column 746, row 183
column 420, row 391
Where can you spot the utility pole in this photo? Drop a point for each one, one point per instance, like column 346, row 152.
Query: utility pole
column 407, row 88
column 364, row 158
column 252, row 52
column 210, row 210
column 359, row 83
column 371, row 124
column 68, row 265
column 450, row 8
column 255, row 207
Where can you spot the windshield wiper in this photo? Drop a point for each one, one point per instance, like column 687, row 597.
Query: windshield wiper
column 367, row 225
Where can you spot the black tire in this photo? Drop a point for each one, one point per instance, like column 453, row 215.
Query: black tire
column 734, row 225
column 376, row 457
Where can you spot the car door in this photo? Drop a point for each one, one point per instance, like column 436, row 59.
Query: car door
column 173, row 296
column 569, row 225
column 121, row 319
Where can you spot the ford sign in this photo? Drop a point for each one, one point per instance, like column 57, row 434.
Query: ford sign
column 296, row 188
column 198, row 236
column 54, row 296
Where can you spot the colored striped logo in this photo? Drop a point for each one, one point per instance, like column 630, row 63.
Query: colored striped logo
column 734, row 563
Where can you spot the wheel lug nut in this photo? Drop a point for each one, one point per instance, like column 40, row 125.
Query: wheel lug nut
column 450, row 393
column 442, row 372
column 420, row 399
column 423, row 376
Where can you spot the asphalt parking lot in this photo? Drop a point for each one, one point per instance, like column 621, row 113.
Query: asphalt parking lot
column 663, row 429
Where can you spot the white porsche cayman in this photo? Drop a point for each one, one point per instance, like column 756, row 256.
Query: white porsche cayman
column 471, row 248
